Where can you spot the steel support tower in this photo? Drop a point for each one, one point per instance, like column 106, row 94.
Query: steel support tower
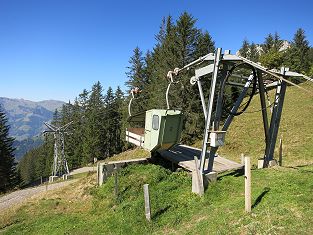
column 60, row 166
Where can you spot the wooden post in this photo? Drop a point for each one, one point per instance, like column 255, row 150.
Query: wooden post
column 100, row 173
column 247, row 185
column 198, row 187
column 147, row 201
column 280, row 161
column 242, row 159
column 116, row 185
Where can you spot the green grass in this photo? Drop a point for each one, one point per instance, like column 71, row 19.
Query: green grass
column 284, row 207
column 282, row 196
column 130, row 154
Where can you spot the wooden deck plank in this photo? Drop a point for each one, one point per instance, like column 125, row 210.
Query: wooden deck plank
column 184, row 156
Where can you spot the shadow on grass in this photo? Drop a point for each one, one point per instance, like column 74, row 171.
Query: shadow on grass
column 235, row 173
column 160, row 212
column 124, row 190
column 299, row 168
column 156, row 159
column 260, row 197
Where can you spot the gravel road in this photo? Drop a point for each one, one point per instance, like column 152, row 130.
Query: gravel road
column 19, row 196
column 83, row 170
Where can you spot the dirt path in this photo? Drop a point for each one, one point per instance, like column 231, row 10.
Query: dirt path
column 19, row 196
column 83, row 170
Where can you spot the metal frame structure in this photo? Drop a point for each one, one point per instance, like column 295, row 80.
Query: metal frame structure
column 218, row 67
column 60, row 166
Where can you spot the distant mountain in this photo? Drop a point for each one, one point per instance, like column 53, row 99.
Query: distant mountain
column 26, row 119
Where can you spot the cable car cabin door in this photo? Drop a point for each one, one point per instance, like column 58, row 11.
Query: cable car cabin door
column 170, row 132
column 148, row 129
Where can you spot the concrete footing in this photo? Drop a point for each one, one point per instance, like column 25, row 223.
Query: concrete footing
column 261, row 163
column 106, row 169
column 65, row 177
column 270, row 164
column 207, row 179
column 210, row 177
column 52, row 178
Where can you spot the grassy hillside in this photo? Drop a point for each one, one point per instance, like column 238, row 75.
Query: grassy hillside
column 246, row 134
column 282, row 204
column 281, row 197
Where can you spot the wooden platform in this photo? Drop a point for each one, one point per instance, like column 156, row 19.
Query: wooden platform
column 183, row 155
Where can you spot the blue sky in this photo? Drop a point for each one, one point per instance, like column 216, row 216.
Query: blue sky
column 52, row 49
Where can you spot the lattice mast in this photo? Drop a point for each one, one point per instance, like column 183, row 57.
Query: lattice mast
column 60, row 165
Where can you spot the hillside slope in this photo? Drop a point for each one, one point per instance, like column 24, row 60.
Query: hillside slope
column 246, row 134
column 281, row 198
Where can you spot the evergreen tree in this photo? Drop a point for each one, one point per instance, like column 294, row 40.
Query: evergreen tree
column 277, row 42
column 56, row 118
column 310, row 55
column 271, row 56
column 161, row 36
column 110, row 114
column 268, row 43
column 272, row 59
column 182, row 43
column 8, row 173
column 254, row 53
column 187, row 38
column 119, row 107
column 164, row 58
column 205, row 45
column 245, row 48
column 298, row 54
column 136, row 70
column 137, row 79
column 94, row 126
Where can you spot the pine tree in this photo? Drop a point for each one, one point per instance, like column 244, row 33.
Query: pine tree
column 110, row 114
column 94, row 125
column 272, row 59
column 253, row 53
column 56, row 118
column 268, row 43
column 8, row 173
column 298, row 54
column 310, row 55
column 245, row 48
column 277, row 42
column 118, row 123
column 160, row 37
column 135, row 72
column 78, row 135
column 187, row 38
column 205, row 45
column 164, row 59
